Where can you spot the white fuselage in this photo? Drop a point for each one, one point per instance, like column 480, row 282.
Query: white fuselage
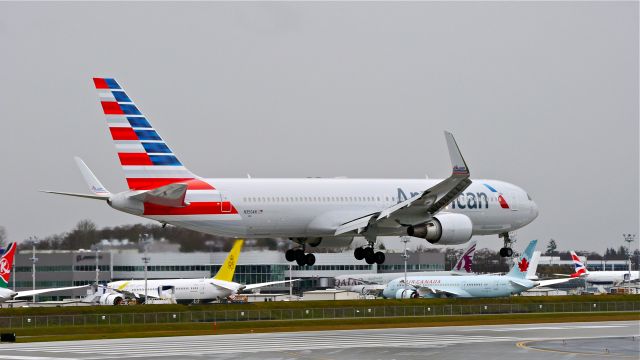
column 364, row 283
column 316, row 207
column 466, row 285
column 182, row 290
column 610, row 277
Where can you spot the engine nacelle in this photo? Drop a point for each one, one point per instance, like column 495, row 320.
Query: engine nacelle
column 406, row 294
column 111, row 299
column 444, row 229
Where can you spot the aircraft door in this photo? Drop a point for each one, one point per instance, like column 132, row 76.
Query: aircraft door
column 225, row 203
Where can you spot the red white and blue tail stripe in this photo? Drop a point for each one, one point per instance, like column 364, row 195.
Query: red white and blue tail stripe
column 580, row 269
column 146, row 159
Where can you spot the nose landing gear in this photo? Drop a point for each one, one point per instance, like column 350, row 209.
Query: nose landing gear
column 300, row 257
column 506, row 251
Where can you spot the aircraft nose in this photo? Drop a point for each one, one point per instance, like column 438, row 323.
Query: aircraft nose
column 534, row 210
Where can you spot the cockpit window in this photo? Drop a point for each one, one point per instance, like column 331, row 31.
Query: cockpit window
column 529, row 197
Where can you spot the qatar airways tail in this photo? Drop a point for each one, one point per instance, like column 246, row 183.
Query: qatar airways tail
column 310, row 211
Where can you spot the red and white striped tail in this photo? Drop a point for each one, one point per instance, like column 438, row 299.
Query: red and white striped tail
column 146, row 159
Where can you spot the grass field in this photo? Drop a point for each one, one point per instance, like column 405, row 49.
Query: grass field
column 22, row 311
column 153, row 330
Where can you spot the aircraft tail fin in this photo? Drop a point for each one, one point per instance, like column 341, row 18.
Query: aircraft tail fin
column 229, row 266
column 580, row 268
column 6, row 264
column 146, row 159
column 465, row 262
column 533, row 266
column 519, row 270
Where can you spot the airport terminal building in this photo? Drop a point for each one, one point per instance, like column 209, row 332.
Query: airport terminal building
column 69, row 268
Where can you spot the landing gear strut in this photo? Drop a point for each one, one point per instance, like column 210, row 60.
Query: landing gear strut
column 300, row 257
column 369, row 255
column 506, row 251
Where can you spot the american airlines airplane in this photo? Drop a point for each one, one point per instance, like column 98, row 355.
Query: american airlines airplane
column 376, row 282
column 311, row 211
column 601, row 277
column 6, row 264
column 470, row 286
column 187, row 291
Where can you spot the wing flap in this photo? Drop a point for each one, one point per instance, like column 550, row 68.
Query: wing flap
column 357, row 225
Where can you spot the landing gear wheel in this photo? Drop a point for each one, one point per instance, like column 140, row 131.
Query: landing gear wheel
column 358, row 253
column 379, row 258
column 310, row 259
column 368, row 253
column 509, row 252
column 503, row 252
column 301, row 261
column 290, row 255
column 298, row 255
column 370, row 259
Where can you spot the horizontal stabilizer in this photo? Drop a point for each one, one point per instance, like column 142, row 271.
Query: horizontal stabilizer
column 169, row 195
column 87, row 196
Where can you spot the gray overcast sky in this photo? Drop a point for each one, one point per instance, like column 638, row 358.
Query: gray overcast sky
column 544, row 95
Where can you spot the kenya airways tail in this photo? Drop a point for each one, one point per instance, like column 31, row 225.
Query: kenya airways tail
column 6, row 264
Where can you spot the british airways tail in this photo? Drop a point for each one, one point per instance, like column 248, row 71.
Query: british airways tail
column 580, row 269
column 146, row 159
column 519, row 270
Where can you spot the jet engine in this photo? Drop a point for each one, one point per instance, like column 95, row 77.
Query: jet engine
column 111, row 299
column 444, row 229
column 406, row 294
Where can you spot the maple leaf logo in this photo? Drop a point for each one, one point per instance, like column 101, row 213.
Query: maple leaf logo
column 523, row 265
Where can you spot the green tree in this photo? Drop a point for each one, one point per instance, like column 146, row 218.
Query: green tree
column 551, row 248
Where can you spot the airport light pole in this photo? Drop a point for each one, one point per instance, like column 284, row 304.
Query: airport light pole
column 144, row 238
column 629, row 238
column 405, row 256
column 97, row 268
column 33, row 259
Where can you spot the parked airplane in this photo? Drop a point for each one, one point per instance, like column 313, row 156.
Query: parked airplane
column 219, row 287
column 513, row 282
column 376, row 282
column 6, row 264
column 312, row 211
column 601, row 277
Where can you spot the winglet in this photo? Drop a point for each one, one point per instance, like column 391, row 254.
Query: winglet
column 92, row 181
column 460, row 168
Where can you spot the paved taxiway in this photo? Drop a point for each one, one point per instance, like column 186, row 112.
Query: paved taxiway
column 532, row 341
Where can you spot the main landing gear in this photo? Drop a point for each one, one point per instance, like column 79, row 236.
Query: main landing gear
column 369, row 255
column 300, row 257
column 506, row 251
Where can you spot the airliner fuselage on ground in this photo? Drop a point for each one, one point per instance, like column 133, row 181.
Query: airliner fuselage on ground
column 312, row 211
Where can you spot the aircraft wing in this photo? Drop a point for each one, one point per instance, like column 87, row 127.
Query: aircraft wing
column 259, row 285
column 552, row 281
column 422, row 206
column 29, row 293
column 437, row 290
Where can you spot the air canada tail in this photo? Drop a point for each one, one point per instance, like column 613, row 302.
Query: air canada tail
column 6, row 264
column 229, row 266
column 146, row 159
column 519, row 270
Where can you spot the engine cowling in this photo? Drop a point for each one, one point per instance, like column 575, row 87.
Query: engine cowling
column 406, row 294
column 111, row 299
column 444, row 229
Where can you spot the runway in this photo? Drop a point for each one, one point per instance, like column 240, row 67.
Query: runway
column 553, row 341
